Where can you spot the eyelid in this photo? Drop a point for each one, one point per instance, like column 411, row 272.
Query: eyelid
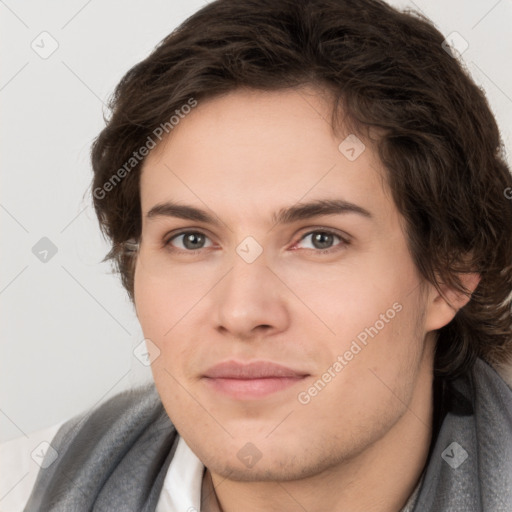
column 343, row 236
column 174, row 234
column 323, row 229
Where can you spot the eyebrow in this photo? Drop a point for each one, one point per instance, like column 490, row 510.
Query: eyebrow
column 288, row 215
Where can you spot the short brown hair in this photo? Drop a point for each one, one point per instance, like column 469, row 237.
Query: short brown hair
column 387, row 69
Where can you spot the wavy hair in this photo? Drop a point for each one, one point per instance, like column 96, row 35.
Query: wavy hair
column 387, row 69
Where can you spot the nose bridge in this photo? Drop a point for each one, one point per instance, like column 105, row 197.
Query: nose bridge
column 247, row 281
column 248, row 264
column 249, row 296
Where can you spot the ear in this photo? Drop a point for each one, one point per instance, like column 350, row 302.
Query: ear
column 442, row 307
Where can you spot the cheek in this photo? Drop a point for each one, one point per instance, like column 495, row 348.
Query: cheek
column 377, row 318
column 150, row 308
column 355, row 300
column 375, row 371
column 162, row 317
column 162, row 302
column 165, row 310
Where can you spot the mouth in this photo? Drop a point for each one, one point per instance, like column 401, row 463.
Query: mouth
column 251, row 381
column 243, row 389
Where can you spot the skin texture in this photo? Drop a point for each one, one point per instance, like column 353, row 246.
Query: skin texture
column 361, row 442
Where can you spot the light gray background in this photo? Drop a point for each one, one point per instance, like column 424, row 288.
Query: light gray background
column 68, row 328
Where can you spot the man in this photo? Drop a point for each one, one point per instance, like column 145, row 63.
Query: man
column 307, row 205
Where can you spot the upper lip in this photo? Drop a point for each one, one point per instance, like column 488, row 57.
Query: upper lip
column 254, row 370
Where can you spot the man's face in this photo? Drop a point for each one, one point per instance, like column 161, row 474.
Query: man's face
column 334, row 296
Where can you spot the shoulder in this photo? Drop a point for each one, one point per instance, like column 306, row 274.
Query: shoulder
column 102, row 447
column 491, row 378
column 128, row 411
column 493, row 404
column 20, row 461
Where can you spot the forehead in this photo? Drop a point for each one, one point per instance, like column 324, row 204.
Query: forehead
column 252, row 149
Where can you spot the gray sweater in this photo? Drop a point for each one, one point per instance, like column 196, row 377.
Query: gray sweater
column 115, row 457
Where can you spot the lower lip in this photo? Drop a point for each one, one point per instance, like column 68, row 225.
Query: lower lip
column 241, row 389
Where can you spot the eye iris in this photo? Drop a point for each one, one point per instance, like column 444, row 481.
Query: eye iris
column 322, row 240
column 193, row 240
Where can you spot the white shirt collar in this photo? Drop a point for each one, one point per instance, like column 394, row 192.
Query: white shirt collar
column 181, row 491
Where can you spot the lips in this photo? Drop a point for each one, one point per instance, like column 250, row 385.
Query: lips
column 255, row 370
column 251, row 381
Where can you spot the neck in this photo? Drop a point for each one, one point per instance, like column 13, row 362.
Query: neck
column 381, row 478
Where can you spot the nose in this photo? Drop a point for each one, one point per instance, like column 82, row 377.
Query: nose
column 250, row 301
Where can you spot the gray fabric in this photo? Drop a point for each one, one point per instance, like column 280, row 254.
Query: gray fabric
column 116, row 457
column 480, row 422
column 413, row 498
column 112, row 459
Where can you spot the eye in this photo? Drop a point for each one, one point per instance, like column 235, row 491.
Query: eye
column 323, row 240
column 188, row 241
column 320, row 240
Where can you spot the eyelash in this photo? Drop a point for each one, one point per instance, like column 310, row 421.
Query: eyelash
column 343, row 241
